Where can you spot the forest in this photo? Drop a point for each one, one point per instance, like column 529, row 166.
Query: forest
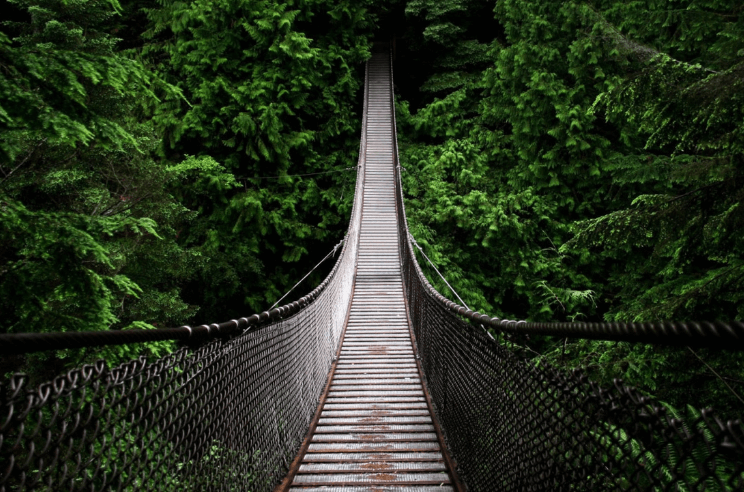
column 168, row 162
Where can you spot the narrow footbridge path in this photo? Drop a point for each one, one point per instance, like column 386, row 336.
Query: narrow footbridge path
column 375, row 427
column 372, row 382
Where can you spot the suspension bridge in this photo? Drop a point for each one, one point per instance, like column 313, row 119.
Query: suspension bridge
column 372, row 382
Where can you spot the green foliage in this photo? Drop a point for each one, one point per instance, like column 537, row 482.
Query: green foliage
column 590, row 168
column 62, row 80
column 442, row 34
column 273, row 90
column 133, row 190
column 58, row 259
column 680, row 470
column 499, row 184
column 88, row 225
column 691, row 112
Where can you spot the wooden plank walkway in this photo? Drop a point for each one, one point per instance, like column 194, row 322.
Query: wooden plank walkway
column 375, row 432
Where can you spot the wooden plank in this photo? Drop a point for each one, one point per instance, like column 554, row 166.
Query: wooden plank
column 375, row 430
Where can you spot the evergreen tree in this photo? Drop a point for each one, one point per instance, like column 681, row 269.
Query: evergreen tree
column 590, row 172
column 273, row 90
column 88, row 222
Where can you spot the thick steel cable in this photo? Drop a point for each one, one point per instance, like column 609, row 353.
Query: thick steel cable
column 333, row 252
column 727, row 335
column 24, row 343
column 413, row 240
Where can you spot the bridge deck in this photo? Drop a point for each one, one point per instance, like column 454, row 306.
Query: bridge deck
column 375, row 431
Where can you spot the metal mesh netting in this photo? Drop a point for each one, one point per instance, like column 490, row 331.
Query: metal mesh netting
column 229, row 415
column 513, row 426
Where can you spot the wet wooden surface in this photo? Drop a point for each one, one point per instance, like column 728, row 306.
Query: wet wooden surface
column 375, row 432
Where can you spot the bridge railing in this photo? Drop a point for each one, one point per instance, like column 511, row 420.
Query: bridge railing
column 512, row 426
column 229, row 414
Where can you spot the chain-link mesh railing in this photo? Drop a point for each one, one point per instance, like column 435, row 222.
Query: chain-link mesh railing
column 228, row 415
column 513, row 426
